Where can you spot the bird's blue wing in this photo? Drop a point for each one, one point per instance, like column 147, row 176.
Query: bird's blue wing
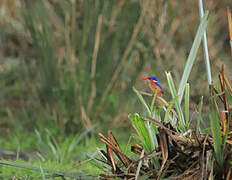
column 158, row 84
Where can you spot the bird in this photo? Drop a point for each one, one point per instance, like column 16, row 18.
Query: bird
column 154, row 85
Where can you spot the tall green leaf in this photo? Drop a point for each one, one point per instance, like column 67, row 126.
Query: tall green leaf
column 192, row 55
column 169, row 109
column 216, row 129
column 142, row 100
column 174, row 94
column 199, row 116
column 186, row 106
column 153, row 103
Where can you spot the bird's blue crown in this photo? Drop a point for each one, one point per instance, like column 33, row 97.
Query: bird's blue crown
column 153, row 77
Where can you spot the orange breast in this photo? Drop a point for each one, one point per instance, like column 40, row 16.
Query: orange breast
column 154, row 88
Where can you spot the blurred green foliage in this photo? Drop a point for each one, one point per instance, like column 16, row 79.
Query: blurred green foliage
column 67, row 65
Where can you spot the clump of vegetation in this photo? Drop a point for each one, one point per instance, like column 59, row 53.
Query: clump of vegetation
column 165, row 150
column 169, row 143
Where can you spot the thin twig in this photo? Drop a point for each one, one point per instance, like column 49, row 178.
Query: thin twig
column 160, row 99
column 230, row 27
column 139, row 166
column 116, row 10
column 94, row 62
column 81, row 163
column 84, row 117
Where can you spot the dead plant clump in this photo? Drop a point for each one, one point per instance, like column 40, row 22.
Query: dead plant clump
column 179, row 157
column 187, row 156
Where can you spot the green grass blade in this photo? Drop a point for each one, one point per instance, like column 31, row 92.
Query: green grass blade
column 192, row 55
column 142, row 100
column 139, row 125
column 153, row 103
column 157, row 113
column 166, row 117
column 205, row 45
column 174, row 94
column 78, row 138
column 186, row 105
column 172, row 118
column 199, row 116
column 152, row 129
column 216, row 130
column 52, row 148
column 45, row 150
column 42, row 173
column 138, row 122
column 53, row 172
column 217, row 139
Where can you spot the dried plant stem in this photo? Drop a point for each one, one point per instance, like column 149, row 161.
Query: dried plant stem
column 68, row 50
column 52, row 16
column 124, row 57
column 139, row 166
column 118, row 7
column 84, row 117
column 73, row 20
column 81, row 163
column 96, row 46
column 94, row 62
column 230, row 27
column 228, row 84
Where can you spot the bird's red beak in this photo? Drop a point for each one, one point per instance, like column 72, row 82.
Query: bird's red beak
column 144, row 78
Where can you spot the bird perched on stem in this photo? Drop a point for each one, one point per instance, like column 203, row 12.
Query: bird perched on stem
column 154, row 85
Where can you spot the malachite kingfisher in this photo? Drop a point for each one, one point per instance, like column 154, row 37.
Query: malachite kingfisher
column 154, row 85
